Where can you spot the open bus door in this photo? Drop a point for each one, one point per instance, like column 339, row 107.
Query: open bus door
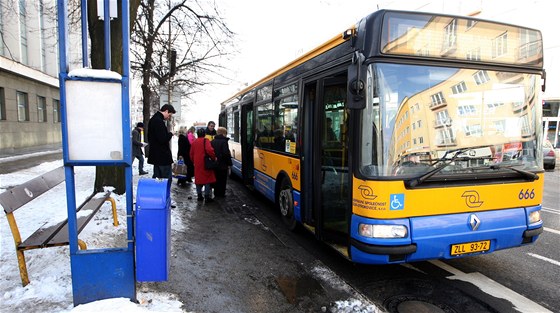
column 247, row 139
column 326, row 159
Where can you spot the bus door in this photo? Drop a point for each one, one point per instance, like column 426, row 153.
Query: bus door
column 247, row 137
column 327, row 156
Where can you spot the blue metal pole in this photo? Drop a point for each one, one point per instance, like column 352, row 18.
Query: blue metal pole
column 107, row 29
column 126, row 121
column 85, row 56
column 62, row 36
column 62, row 8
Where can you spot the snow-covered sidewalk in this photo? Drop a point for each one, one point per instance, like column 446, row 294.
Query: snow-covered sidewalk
column 50, row 289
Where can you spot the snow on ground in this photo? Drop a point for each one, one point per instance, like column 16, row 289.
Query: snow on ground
column 50, row 289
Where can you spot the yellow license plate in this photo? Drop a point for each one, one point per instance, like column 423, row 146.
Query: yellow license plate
column 470, row 247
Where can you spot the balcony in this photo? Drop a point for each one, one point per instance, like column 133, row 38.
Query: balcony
column 437, row 105
column 443, row 123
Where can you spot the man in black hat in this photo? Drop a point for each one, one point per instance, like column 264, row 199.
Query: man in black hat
column 137, row 146
column 158, row 140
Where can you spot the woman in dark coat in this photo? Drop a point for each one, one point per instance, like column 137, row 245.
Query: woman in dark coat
column 184, row 150
column 202, row 177
column 221, row 148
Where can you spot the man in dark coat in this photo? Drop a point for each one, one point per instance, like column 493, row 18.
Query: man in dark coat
column 221, row 148
column 158, row 140
column 137, row 146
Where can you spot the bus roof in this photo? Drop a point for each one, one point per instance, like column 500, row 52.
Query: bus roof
column 394, row 46
column 333, row 42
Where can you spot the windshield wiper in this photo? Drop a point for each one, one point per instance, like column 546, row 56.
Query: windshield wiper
column 526, row 174
column 413, row 182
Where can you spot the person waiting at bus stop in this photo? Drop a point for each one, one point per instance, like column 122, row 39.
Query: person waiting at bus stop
column 137, row 146
column 210, row 130
column 202, row 177
column 158, row 141
column 221, row 148
column 183, row 151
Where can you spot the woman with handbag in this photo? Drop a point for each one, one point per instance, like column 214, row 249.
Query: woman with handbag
column 203, row 177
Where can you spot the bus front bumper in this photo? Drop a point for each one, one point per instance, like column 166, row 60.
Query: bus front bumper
column 445, row 236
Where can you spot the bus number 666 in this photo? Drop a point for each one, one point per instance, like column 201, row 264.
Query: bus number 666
column 526, row 194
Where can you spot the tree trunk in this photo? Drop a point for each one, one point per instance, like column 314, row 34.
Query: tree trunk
column 108, row 175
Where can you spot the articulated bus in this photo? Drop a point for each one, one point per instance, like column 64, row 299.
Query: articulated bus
column 411, row 136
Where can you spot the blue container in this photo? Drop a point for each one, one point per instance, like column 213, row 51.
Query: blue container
column 153, row 229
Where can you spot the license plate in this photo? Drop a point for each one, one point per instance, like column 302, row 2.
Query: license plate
column 470, row 247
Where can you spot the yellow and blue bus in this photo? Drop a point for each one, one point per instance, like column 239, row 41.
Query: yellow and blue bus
column 411, row 136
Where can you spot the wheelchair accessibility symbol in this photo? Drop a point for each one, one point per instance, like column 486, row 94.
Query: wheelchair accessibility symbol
column 397, row 201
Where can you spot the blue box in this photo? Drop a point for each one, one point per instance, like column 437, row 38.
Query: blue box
column 152, row 229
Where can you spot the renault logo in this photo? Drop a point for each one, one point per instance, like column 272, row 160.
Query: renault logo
column 474, row 222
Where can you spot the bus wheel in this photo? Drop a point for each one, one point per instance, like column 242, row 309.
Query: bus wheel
column 286, row 204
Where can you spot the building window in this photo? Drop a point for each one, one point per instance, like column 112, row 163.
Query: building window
column 499, row 45
column 437, row 99
column 464, row 110
column 56, row 111
column 473, row 130
column 525, row 125
column 529, row 44
column 499, row 126
column 23, row 31
column 42, row 14
column 1, row 28
column 2, row 105
column 41, row 109
column 442, row 118
column 473, row 54
column 445, row 136
column 459, row 88
column 481, row 77
column 23, row 106
column 450, row 39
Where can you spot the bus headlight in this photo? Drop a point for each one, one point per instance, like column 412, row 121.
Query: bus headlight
column 534, row 217
column 383, row 231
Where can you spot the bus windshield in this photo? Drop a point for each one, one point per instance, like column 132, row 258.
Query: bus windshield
column 460, row 121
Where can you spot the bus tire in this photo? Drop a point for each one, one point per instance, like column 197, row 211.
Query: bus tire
column 285, row 202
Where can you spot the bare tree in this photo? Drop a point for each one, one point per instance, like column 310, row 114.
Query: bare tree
column 179, row 45
column 108, row 175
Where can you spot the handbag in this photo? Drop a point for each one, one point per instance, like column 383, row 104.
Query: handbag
column 179, row 168
column 209, row 163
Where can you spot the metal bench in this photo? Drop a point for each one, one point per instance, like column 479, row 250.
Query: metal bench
column 52, row 236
